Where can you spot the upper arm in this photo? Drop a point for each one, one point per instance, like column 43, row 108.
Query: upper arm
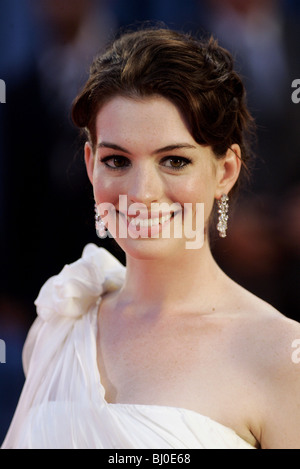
column 281, row 414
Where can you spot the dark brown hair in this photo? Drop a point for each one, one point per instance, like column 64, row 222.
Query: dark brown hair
column 196, row 75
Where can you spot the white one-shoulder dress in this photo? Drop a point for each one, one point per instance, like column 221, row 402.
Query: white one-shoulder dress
column 63, row 404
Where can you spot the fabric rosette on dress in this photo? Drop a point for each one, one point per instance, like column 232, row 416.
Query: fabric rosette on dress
column 56, row 376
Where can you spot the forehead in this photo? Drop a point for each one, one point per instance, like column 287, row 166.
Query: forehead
column 152, row 117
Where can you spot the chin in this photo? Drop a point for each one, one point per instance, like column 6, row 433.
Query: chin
column 150, row 249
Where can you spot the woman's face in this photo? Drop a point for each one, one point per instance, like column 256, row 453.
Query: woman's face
column 146, row 154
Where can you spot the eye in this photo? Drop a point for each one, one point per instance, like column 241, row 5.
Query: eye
column 115, row 162
column 176, row 162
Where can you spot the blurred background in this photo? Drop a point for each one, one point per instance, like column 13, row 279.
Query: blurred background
column 46, row 203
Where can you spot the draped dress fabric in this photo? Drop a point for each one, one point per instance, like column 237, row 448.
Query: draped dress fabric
column 63, row 404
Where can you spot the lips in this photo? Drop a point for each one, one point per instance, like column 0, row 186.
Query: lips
column 148, row 222
column 144, row 219
column 145, row 226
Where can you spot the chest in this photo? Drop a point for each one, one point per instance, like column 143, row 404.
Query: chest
column 180, row 363
column 186, row 363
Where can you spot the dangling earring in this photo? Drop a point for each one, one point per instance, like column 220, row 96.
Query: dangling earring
column 223, row 217
column 99, row 224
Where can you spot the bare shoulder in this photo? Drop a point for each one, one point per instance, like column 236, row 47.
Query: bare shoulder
column 280, row 363
column 271, row 345
column 273, row 330
column 272, row 335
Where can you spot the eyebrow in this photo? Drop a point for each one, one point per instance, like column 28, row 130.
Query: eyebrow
column 175, row 146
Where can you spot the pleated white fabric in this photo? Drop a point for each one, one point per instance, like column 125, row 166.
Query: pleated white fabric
column 63, row 406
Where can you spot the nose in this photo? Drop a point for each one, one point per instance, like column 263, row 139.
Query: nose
column 145, row 185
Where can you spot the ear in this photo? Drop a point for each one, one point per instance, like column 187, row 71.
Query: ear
column 228, row 170
column 89, row 160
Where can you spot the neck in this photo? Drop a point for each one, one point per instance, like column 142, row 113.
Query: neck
column 187, row 280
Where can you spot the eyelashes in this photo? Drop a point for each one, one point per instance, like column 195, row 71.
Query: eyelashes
column 179, row 162
column 116, row 162
column 121, row 163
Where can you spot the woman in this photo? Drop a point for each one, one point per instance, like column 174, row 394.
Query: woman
column 169, row 352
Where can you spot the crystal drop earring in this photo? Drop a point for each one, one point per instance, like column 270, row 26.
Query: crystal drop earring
column 99, row 224
column 223, row 217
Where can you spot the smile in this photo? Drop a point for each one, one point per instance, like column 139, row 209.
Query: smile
column 148, row 222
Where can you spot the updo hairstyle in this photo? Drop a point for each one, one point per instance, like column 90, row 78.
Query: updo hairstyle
column 196, row 75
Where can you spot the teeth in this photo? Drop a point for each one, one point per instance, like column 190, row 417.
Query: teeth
column 148, row 221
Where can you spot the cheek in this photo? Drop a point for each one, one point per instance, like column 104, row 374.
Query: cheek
column 105, row 189
column 193, row 191
column 197, row 191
